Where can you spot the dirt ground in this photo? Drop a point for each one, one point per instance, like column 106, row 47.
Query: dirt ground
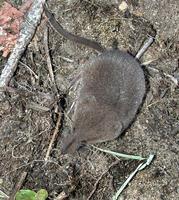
column 28, row 118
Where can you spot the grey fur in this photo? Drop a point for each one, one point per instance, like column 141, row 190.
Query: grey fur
column 112, row 89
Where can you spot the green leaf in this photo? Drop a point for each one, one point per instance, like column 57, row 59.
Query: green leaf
column 42, row 194
column 25, row 195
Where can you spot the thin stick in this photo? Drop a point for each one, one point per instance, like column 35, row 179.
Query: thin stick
column 18, row 185
column 58, row 124
column 35, row 75
column 49, row 63
column 38, row 107
column 61, row 196
column 25, row 36
column 172, row 78
column 145, row 47
column 101, row 176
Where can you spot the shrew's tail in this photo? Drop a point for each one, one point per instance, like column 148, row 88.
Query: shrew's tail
column 81, row 40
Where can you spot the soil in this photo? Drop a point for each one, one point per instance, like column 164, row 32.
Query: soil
column 28, row 117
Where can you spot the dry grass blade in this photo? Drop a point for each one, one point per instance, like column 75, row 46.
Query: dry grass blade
column 139, row 168
column 116, row 154
column 31, row 71
column 38, row 107
column 58, row 124
column 3, row 196
column 49, row 63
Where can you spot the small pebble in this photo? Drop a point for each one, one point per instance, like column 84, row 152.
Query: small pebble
column 4, row 107
column 123, row 6
column 1, row 181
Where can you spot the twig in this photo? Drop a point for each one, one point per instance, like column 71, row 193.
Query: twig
column 61, row 196
column 27, row 32
column 101, row 176
column 66, row 59
column 172, row 78
column 49, row 63
column 35, row 75
column 145, row 47
column 148, row 62
column 38, row 107
column 58, row 124
column 3, row 195
column 18, row 185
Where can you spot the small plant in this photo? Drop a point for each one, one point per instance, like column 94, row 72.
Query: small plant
column 42, row 194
